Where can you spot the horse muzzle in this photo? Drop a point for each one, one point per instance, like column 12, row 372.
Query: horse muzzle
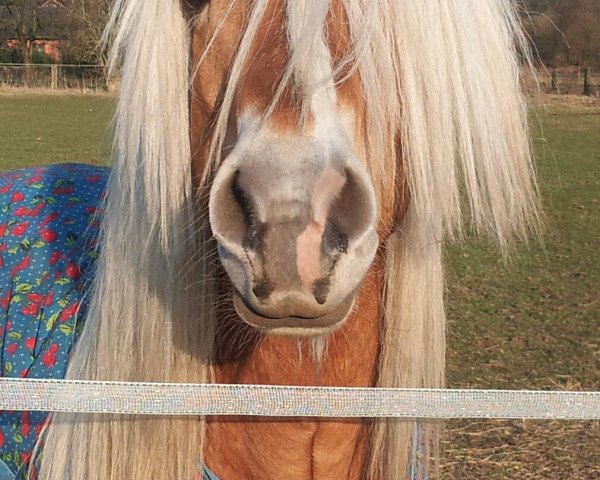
column 296, row 235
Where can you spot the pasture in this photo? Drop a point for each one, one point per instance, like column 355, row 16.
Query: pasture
column 39, row 128
column 533, row 322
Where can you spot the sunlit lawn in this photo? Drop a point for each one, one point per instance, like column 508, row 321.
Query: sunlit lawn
column 37, row 129
column 536, row 322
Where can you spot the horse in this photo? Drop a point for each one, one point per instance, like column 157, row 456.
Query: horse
column 284, row 176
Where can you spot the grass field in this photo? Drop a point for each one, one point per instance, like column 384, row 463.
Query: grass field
column 37, row 129
column 532, row 323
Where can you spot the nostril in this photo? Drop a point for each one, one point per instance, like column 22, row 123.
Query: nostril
column 263, row 289
column 353, row 211
column 254, row 227
column 241, row 197
column 232, row 213
column 334, row 240
column 342, row 242
column 321, row 290
column 253, row 235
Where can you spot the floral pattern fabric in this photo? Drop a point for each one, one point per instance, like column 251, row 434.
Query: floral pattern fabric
column 49, row 222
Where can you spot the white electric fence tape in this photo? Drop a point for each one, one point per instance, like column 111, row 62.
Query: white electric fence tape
column 278, row 401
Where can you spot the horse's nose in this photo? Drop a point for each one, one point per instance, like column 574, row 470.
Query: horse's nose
column 283, row 230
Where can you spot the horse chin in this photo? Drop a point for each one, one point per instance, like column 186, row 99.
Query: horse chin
column 295, row 326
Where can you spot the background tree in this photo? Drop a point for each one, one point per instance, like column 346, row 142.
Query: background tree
column 564, row 31
column 22, row 16
column 579, row 22
column 88, row 18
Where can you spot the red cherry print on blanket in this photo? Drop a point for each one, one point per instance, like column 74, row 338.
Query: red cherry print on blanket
column 21, row 266
column 17, row 197
column 5, row 301
column 27, row 212
column 37, row 209
column 34, row 179
column 31, row 309
column 22, row 212
column 35, row 297
column 3, row 229
column 40, row 426
column 54, row 258
column 69, row 312
column 48, row 235
column 20, row 229
column 25, row 424
column 2, row 439
column 49, row 299
column 49, row 356
column 50, row 218
column 30, row 343
column 12, row 348
column 62, row 190
column 73, row 271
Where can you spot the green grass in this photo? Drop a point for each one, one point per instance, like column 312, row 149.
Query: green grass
column 532, row 323
column 536, row 322
column 38, row 129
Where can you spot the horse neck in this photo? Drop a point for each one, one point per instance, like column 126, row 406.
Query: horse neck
column 297, row 450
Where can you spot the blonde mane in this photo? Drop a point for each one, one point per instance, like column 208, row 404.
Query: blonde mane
column 441, row 81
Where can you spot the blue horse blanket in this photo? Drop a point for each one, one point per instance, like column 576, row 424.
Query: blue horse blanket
column 49, row 221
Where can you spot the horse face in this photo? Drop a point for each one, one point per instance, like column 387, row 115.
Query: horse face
column 292, row 206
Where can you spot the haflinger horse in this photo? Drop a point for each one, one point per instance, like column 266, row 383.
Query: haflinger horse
column 322, row 150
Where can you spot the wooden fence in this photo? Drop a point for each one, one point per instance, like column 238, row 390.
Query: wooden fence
column 568, row 81
column 55, row 77
column 572, row 81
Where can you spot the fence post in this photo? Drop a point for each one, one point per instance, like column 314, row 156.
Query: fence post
column 554, row 84
column 587, row 88
column 53, row 77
